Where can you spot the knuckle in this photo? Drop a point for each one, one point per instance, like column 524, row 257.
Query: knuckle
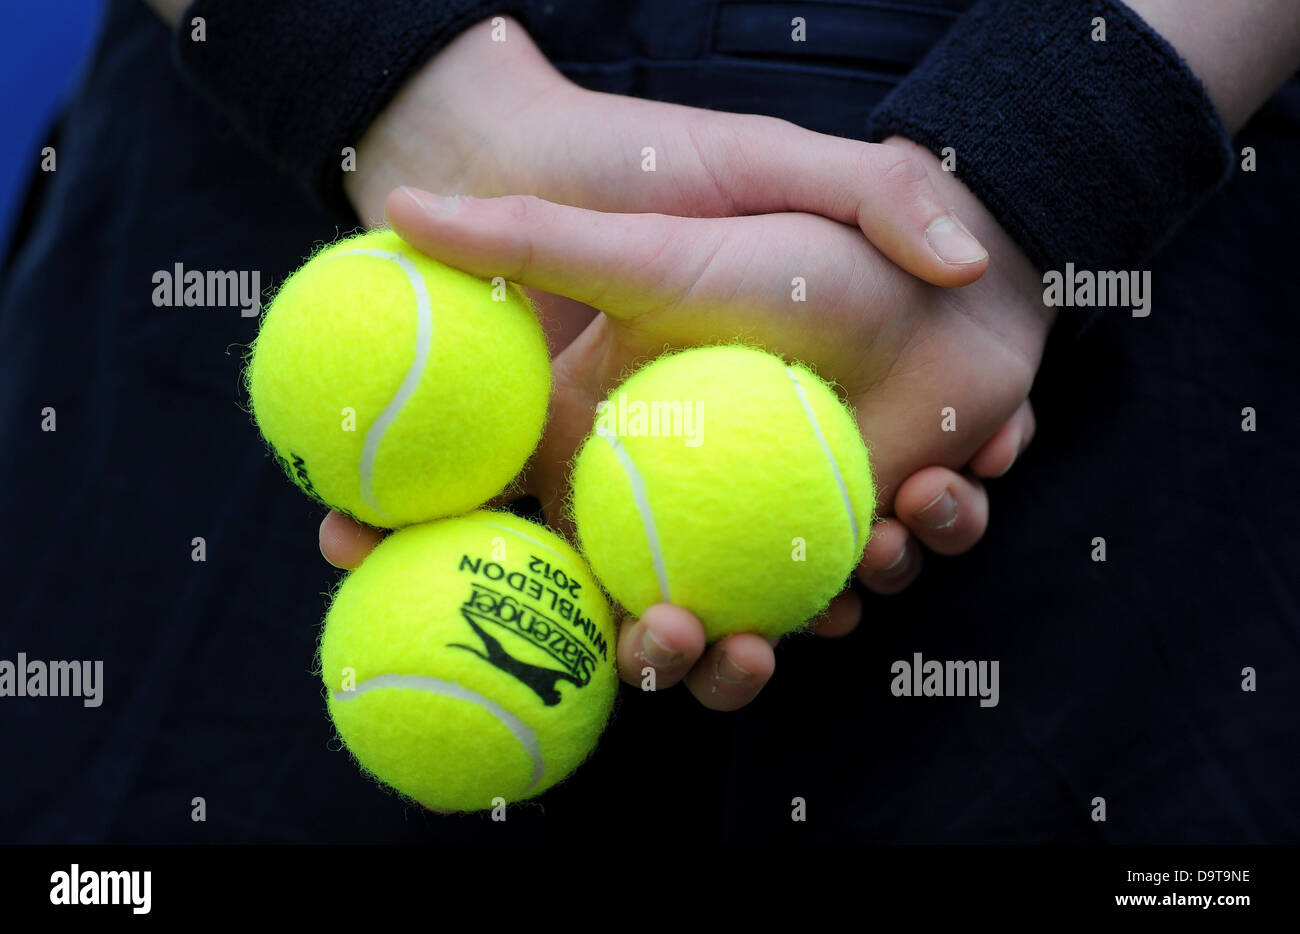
column 901, row 170
column 521, row 207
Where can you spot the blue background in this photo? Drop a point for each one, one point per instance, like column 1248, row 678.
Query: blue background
column 42, row 50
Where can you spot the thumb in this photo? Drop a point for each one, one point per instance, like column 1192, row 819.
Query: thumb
column 886, row 190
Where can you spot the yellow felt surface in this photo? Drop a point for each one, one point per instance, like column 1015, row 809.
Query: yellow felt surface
column 339, row 338
column 407, row 610
column 730, row 514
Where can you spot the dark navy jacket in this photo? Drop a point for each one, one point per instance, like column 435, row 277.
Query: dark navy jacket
column 1119, row 679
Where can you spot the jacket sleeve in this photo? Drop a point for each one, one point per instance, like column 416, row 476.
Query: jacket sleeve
column 302, row 79
column 1086, row 150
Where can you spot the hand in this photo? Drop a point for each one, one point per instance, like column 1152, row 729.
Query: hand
column 488, row 118
column 666, row 281
column 492, row 118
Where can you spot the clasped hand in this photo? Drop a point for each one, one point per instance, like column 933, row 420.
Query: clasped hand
column 866, row 262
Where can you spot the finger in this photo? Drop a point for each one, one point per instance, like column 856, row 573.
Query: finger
column 946, row 511
column 841, row 617
column 675, row 281
column 1001, row 451
column 667, row 639
column 892, row 559
column 732, row 671
column 722, row 165
column 885, row 190
column 614, row 262
column 345, row 542
column 563, row 319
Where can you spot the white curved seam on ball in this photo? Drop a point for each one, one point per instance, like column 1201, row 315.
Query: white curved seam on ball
column 423, row 343
column 527, row 538
column 830, row 456
column 647, row 514
column 521, row 731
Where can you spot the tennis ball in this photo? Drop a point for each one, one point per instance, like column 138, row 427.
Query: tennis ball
column 394, row 388
column 469, row 659
column 729, row 483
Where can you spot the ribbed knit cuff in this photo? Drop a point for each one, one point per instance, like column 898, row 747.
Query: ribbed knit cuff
column 1086, row 151
column 302, row 79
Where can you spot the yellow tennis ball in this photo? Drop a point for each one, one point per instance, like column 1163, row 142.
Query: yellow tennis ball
column 394, row 388
column 728, row 482
column 470, row 659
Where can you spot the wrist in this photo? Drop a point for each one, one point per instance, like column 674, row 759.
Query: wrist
column 1086, row 151
column 450, row 128
column 1012, row 288
column 1241, row 50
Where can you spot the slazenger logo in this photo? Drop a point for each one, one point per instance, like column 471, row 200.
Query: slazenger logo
column 487, row 606
column 76, row 887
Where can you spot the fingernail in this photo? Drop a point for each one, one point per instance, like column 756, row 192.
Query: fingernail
column 656, row 652
column 728, row 672
column 952, row 242
column 900, row 567
column 940, row 513
column 437, row 205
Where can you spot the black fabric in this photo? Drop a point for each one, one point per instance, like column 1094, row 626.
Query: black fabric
column 302, row 79
column 1119, row 680
column 1054, row 131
